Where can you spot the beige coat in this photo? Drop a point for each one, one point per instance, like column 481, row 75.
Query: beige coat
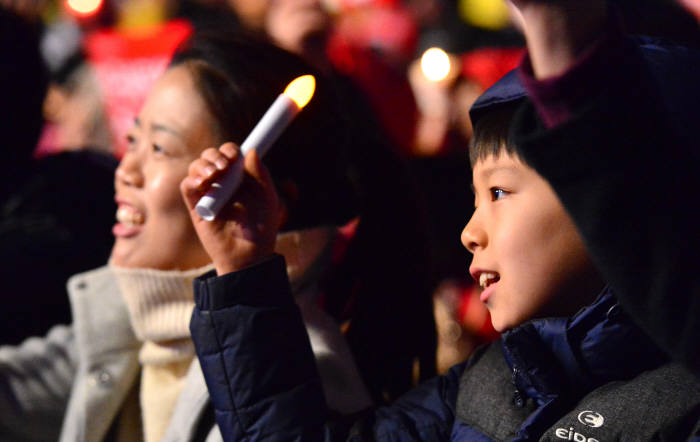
column 74, row 381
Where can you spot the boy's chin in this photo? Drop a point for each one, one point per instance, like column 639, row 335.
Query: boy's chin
column 504, row 322
column 499, row 324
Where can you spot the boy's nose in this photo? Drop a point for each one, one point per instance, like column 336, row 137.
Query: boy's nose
column 473, row 236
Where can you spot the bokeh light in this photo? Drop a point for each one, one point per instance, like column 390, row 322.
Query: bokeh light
column 488, row 14
column 435, row 64
column 83, row 7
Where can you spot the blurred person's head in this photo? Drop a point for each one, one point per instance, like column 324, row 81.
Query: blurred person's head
column 301, row 27
column 217, row 87
column 23, row 83
column 251, row 12
column 529, row 257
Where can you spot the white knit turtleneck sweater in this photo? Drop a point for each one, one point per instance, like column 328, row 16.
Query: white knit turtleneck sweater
column 160, row 304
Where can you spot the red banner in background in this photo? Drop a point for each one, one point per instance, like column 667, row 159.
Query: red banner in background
column 126, row 65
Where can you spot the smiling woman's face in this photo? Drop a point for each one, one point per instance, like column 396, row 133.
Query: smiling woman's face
column 153, row 228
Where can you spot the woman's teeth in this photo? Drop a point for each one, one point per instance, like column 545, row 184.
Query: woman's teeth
column 128, row 216
column 487, row 278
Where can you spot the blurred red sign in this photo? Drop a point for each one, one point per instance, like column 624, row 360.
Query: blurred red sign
column 126, row 65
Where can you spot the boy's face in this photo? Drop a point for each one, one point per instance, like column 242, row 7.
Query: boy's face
column 528, row 256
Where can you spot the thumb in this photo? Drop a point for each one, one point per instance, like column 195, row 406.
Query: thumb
column 255, row 168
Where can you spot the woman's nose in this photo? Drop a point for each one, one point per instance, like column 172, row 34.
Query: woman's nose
column 473, row 235
column 128, row 173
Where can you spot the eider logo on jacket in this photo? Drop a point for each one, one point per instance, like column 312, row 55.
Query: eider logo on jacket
column 591, row 419
column 573, row 435
column 587, row 418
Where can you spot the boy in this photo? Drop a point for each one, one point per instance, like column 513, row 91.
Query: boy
column 560, row 212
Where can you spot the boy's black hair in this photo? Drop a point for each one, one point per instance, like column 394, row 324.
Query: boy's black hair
column 492, row 133
column 240, row 76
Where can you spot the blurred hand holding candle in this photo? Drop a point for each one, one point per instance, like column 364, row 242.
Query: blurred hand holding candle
column 297, row 94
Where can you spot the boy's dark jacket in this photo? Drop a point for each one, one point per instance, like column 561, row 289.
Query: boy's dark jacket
column 624, row 177
column 596, row 375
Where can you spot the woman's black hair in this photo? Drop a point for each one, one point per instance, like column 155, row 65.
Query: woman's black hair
column 383, row 284
column 342, row 165
column 239, row 76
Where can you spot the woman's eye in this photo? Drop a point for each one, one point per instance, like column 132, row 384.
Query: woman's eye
column 130, row 141
column 497, row 193
column 157, row 148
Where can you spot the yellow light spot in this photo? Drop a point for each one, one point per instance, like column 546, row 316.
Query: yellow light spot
column 84, row 7
column 301, row 89
column 435, row 64
column 488, row 14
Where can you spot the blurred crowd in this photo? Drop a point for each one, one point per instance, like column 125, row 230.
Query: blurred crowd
column 372, row 193
column 98, row 60
column 407, row 73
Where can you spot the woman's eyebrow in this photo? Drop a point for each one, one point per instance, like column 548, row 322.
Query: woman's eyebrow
column 168, row 129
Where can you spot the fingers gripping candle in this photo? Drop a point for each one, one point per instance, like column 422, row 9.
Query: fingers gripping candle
column 261, row 138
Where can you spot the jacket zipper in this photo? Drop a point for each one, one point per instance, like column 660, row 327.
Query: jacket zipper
column 518, row 399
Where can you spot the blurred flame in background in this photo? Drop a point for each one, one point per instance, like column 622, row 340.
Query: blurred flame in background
column 82, row 8
column 435, row 64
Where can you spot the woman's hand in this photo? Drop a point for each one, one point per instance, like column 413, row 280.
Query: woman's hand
column 244, row 232
column 558, row 31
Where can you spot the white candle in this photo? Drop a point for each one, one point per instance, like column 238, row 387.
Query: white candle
column 261, row 138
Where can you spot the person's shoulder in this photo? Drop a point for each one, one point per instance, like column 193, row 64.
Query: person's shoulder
column 673, row 67
column 657, row 404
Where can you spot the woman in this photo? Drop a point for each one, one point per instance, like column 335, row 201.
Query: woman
column 125, row 369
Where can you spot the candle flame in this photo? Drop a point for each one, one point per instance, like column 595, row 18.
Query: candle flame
column 301, row 89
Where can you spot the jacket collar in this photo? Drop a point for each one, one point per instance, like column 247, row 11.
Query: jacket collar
column 555, row 356
column 107, row 354
column 107, row 351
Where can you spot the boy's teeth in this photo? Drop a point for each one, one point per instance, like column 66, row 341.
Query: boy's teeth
column 487, row 278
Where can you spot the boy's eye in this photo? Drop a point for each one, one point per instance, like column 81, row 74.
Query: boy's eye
column 497, row 193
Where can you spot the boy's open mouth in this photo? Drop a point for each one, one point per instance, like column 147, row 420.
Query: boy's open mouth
column 488, row 278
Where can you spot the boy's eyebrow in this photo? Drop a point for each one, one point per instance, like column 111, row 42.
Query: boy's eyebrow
column 490, row 171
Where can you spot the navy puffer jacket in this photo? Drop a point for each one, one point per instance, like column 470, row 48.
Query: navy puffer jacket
column 596, row 375
column 622, row 170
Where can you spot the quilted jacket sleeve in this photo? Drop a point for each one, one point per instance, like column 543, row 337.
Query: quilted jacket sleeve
column 262, row 378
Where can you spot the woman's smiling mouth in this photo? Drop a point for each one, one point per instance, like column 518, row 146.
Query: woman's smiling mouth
column 129, row 221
